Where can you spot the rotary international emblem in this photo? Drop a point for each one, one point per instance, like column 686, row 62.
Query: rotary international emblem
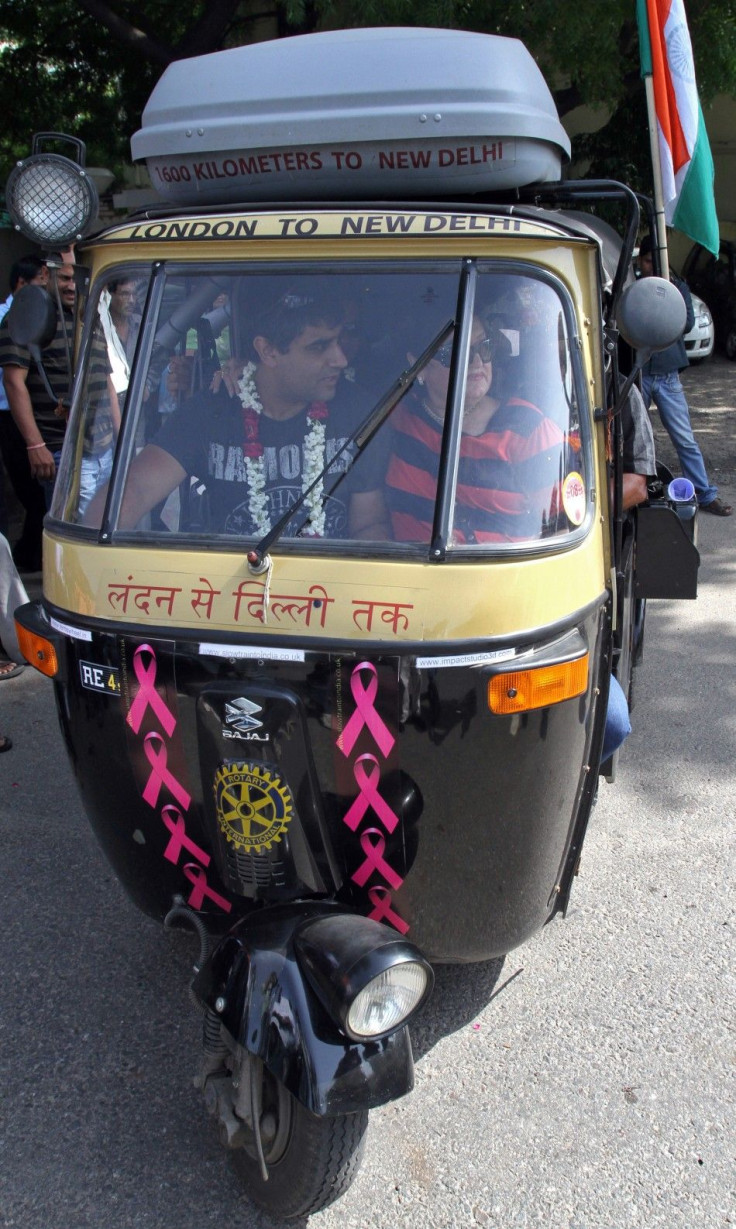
column 254, row 807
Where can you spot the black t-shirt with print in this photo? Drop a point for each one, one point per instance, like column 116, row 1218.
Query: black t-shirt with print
column 206, row 437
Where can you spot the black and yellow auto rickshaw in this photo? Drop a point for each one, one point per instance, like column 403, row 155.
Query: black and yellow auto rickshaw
column 332, row 627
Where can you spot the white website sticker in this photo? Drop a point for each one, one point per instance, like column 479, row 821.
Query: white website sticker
column 464, row 659
column 262, row 653
column 76, row 633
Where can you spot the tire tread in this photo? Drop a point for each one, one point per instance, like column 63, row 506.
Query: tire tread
column 321, row 1161
column 343, row 1152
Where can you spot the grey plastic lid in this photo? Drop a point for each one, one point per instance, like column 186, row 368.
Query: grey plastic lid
column 351, row 114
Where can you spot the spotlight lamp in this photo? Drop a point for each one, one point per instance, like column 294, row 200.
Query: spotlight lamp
column 50, row 198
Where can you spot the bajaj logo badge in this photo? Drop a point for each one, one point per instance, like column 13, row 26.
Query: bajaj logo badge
column 241, row 720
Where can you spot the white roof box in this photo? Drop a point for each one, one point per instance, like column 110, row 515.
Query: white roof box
column 352, row 114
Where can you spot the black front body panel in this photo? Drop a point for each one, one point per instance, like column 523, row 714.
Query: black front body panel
column 234, row 782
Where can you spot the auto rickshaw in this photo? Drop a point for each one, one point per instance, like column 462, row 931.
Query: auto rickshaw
column 332, row 660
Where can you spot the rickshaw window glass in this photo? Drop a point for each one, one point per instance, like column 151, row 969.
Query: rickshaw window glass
column 521, row 476
column 257, row 380
column 101, row 393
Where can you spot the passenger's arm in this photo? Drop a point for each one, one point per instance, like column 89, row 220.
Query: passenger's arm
column 152, row 476
column 639, row 452
column 634, row 490
column 40, row 459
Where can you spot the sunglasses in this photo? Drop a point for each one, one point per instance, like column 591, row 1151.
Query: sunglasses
column 483, row 348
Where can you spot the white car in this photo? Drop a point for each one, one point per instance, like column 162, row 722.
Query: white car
column 699, row 341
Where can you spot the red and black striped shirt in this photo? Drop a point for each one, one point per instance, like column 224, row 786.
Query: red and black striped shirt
column 508, row 480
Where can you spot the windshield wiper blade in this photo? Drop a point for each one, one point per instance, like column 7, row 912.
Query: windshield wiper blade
column 361, row 436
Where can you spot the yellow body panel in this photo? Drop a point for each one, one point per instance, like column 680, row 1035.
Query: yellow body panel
column 337, row 598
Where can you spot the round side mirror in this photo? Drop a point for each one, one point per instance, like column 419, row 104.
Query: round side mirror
column 651, row 314
column 32, row 317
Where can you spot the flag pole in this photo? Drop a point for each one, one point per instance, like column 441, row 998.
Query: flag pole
column 659, row 239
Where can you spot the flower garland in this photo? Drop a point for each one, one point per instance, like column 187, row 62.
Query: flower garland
column 314, row 457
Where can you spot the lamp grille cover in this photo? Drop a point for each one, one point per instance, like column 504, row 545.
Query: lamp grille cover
column 50, row 199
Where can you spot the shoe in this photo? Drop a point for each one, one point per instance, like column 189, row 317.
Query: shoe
column 9, row 669
column 5, row 743
column 717, row 508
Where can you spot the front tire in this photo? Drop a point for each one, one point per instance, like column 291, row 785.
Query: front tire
column 731, row 345
column 310, row 1160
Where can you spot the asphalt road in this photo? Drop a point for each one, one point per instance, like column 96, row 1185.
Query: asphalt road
column 588, row 1083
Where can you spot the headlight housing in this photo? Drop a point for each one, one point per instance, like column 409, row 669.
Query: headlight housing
column 51, row 199
column 368, row 977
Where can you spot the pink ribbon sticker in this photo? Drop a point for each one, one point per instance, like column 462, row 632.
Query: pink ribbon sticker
column 147, row 696
column 365, row 713
column 367, row 782
column 174, row 821
column 155, row 752
column 381, row 898
column 197, row 876
column 374, row 860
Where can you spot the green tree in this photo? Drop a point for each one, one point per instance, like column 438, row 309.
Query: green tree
column 87, row 67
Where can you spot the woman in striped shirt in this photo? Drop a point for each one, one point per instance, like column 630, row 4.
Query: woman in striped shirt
column 511, row 456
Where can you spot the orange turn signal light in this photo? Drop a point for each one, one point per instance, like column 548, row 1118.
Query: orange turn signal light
column 521, row 690
column 39, row 652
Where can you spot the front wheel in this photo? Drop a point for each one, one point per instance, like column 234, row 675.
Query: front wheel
column 731, row 345
column 310, row 1160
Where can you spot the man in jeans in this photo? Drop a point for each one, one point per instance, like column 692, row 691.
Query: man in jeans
column 661, row 384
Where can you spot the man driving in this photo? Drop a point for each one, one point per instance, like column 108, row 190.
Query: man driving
column 263, row 436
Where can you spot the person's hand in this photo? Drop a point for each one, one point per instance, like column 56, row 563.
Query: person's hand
column 43, row 467
column 180, row 375
column 229, row 375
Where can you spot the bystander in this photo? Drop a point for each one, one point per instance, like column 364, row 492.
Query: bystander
column 40, row 411
column 661, row 384
column 29, row 270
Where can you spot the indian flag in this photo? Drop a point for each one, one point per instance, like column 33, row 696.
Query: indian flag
column 687, row 163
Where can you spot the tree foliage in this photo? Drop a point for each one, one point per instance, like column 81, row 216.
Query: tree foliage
column 87, row 67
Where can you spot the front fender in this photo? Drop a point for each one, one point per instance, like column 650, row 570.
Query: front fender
column 254, row 983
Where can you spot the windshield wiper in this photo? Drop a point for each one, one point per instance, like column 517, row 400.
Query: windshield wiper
column 257, row 558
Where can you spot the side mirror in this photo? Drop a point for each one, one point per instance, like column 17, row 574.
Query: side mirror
column 32, row 318
column 651, row 314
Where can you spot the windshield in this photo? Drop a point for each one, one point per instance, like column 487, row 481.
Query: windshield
column 237, row 388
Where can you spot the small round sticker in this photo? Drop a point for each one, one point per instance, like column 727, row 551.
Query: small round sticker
column 573, row 498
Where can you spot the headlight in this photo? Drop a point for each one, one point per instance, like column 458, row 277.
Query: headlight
column 51, row 199
column 387, row 1001
column 703, row 320
column 366, row 975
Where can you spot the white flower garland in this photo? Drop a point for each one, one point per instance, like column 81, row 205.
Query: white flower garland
column 314, row 460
